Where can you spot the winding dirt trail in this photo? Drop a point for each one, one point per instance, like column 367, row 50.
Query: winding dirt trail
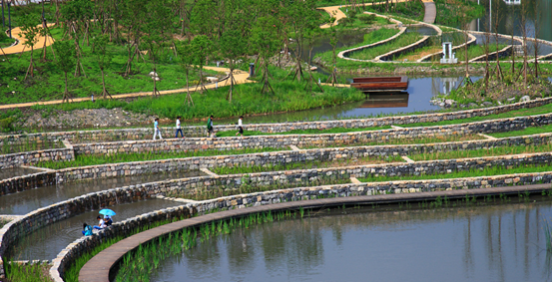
column 19, row 47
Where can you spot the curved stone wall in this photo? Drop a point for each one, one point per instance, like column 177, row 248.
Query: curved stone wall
column 308, row 140
column 289, row 195
column 199, row 131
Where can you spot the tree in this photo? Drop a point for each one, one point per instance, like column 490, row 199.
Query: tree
column 265, row 42
column 30, row 30
column 103, row 57
column 333, row 41
column 201, row 46
column 64, row 61
column 232, row 47
column 186, row 60
column 497, row 16
column 536, row 31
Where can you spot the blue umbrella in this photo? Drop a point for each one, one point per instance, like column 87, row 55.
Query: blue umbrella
column 107, row 212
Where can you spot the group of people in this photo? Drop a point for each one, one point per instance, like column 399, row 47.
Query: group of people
column 87, row 230
column 210, row 128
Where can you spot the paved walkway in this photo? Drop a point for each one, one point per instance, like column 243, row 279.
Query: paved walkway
column 97, row 269
column 20, row 47
column 338, row 14
column 430, row 11
column 240, row 77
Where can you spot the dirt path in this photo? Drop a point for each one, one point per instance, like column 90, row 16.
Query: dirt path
column 239, row 76
column 19, row 47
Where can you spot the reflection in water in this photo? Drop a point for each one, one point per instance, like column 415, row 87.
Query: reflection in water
column 462, row 244
column 26, row 201
column 387, row 100
column 47, row 242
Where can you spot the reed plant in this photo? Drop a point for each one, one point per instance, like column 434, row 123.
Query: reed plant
column 147, row 258
column 548, row 236
column 72, row 273
column 313, row 164
column 87, row 160
column 26, row 145
column 487, row 171
column 494, row 151
column 27, row 273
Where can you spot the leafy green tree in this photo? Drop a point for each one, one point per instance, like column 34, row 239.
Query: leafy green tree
column 265, row 42
column 303, row 19
column 30, row 31
column 232, row 47
column 65, row 62
column 202, row 48
column 186, row 60
column 103, row 58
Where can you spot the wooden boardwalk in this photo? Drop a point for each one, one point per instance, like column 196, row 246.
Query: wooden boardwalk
column 97, row 269
column 430, row 11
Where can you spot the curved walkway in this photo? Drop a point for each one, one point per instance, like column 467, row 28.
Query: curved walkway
column 335, row 11
column 97, row 269
column 20, row 47
column 430, row 12
column 240, row 77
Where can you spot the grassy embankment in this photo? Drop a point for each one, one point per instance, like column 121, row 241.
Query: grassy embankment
column 490, row 171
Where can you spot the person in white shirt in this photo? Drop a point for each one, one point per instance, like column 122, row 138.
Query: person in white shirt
column 101, row 224
column 240, row 126
column 178, row 128
column 156, row 129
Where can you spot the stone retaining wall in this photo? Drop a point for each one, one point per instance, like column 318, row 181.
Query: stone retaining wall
column 309, row 140
column 33, row 157
column 85, row 244
column 123, row 228
column 27, row 182
column 199, row 131
column 258, row 159
column 17, row 228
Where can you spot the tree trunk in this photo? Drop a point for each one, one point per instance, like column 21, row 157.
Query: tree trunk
column 188, row 95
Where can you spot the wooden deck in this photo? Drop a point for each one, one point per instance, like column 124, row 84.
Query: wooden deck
column 98, row 268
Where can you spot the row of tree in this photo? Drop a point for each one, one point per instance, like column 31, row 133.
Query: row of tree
column 196, row 31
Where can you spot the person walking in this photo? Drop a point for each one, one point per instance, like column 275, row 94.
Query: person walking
column 210, row 128
column 240, row 126
column 156, row 130
column 178, row 128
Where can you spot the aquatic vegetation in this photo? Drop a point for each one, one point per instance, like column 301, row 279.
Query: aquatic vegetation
column 84, row 160
column 494, row 151
column 72, row 272
column 27, row 273
column 487, row 171
column 306, row 165
column 26, row 145
column 139, row 265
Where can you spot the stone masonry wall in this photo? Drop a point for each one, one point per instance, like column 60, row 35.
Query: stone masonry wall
column 85, row 244
column 33, row 157
column 258, row 159
column 27, row 182
column 123, row 228
column 307, row 140
column 199, row 131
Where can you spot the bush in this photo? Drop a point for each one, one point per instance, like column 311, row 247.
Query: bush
column 367, row 19
column 6, row 124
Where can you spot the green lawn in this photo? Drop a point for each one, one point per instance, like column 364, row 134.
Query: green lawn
column 301, row 131
column 371, row 53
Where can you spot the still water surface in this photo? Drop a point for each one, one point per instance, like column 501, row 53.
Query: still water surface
column 29, row 200
column 487, row 243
